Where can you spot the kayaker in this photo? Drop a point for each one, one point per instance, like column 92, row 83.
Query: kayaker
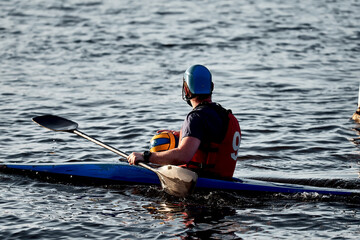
column 210, row 135
column 356, row 115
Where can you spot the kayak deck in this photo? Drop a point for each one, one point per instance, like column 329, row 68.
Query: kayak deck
column 118, row 173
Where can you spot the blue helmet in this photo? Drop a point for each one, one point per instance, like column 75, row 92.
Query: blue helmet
column 197, row 79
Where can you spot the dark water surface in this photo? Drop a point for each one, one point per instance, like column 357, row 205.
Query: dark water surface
column 289, row 70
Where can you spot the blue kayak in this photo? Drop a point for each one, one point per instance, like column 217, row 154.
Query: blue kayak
column 118, row 173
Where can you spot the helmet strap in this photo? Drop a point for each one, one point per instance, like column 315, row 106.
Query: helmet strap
column 189, row 102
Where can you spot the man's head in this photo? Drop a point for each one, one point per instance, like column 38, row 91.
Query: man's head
column 197, row 82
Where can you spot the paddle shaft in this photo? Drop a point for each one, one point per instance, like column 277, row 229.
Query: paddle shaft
column 81, row 134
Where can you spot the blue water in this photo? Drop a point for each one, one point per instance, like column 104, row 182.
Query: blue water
column 289, row 70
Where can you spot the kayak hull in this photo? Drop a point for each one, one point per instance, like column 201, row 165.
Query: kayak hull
column 117, row 173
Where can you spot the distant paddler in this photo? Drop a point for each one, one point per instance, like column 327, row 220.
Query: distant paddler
column 356, row 115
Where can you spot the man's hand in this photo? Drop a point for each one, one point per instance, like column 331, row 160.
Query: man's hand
column 135, row 157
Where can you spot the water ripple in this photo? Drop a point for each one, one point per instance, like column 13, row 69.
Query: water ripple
column 288, row 70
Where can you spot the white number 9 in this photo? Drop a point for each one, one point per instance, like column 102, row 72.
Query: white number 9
column 236, row 145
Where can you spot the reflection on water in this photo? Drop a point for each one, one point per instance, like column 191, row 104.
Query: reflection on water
column 201, row 221
column 232, row 216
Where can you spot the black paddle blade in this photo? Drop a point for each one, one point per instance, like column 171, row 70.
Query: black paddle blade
column 56, row 123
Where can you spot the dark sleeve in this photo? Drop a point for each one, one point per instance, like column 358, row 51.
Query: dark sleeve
column 193, row 126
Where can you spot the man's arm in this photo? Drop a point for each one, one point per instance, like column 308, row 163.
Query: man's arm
column 177, row 156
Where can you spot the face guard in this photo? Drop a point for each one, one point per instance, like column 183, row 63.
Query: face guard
column 186, row 94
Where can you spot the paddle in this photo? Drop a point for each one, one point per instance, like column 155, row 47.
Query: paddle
column 174, row 180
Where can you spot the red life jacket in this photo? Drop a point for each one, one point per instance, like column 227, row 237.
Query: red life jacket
column 219, row 160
